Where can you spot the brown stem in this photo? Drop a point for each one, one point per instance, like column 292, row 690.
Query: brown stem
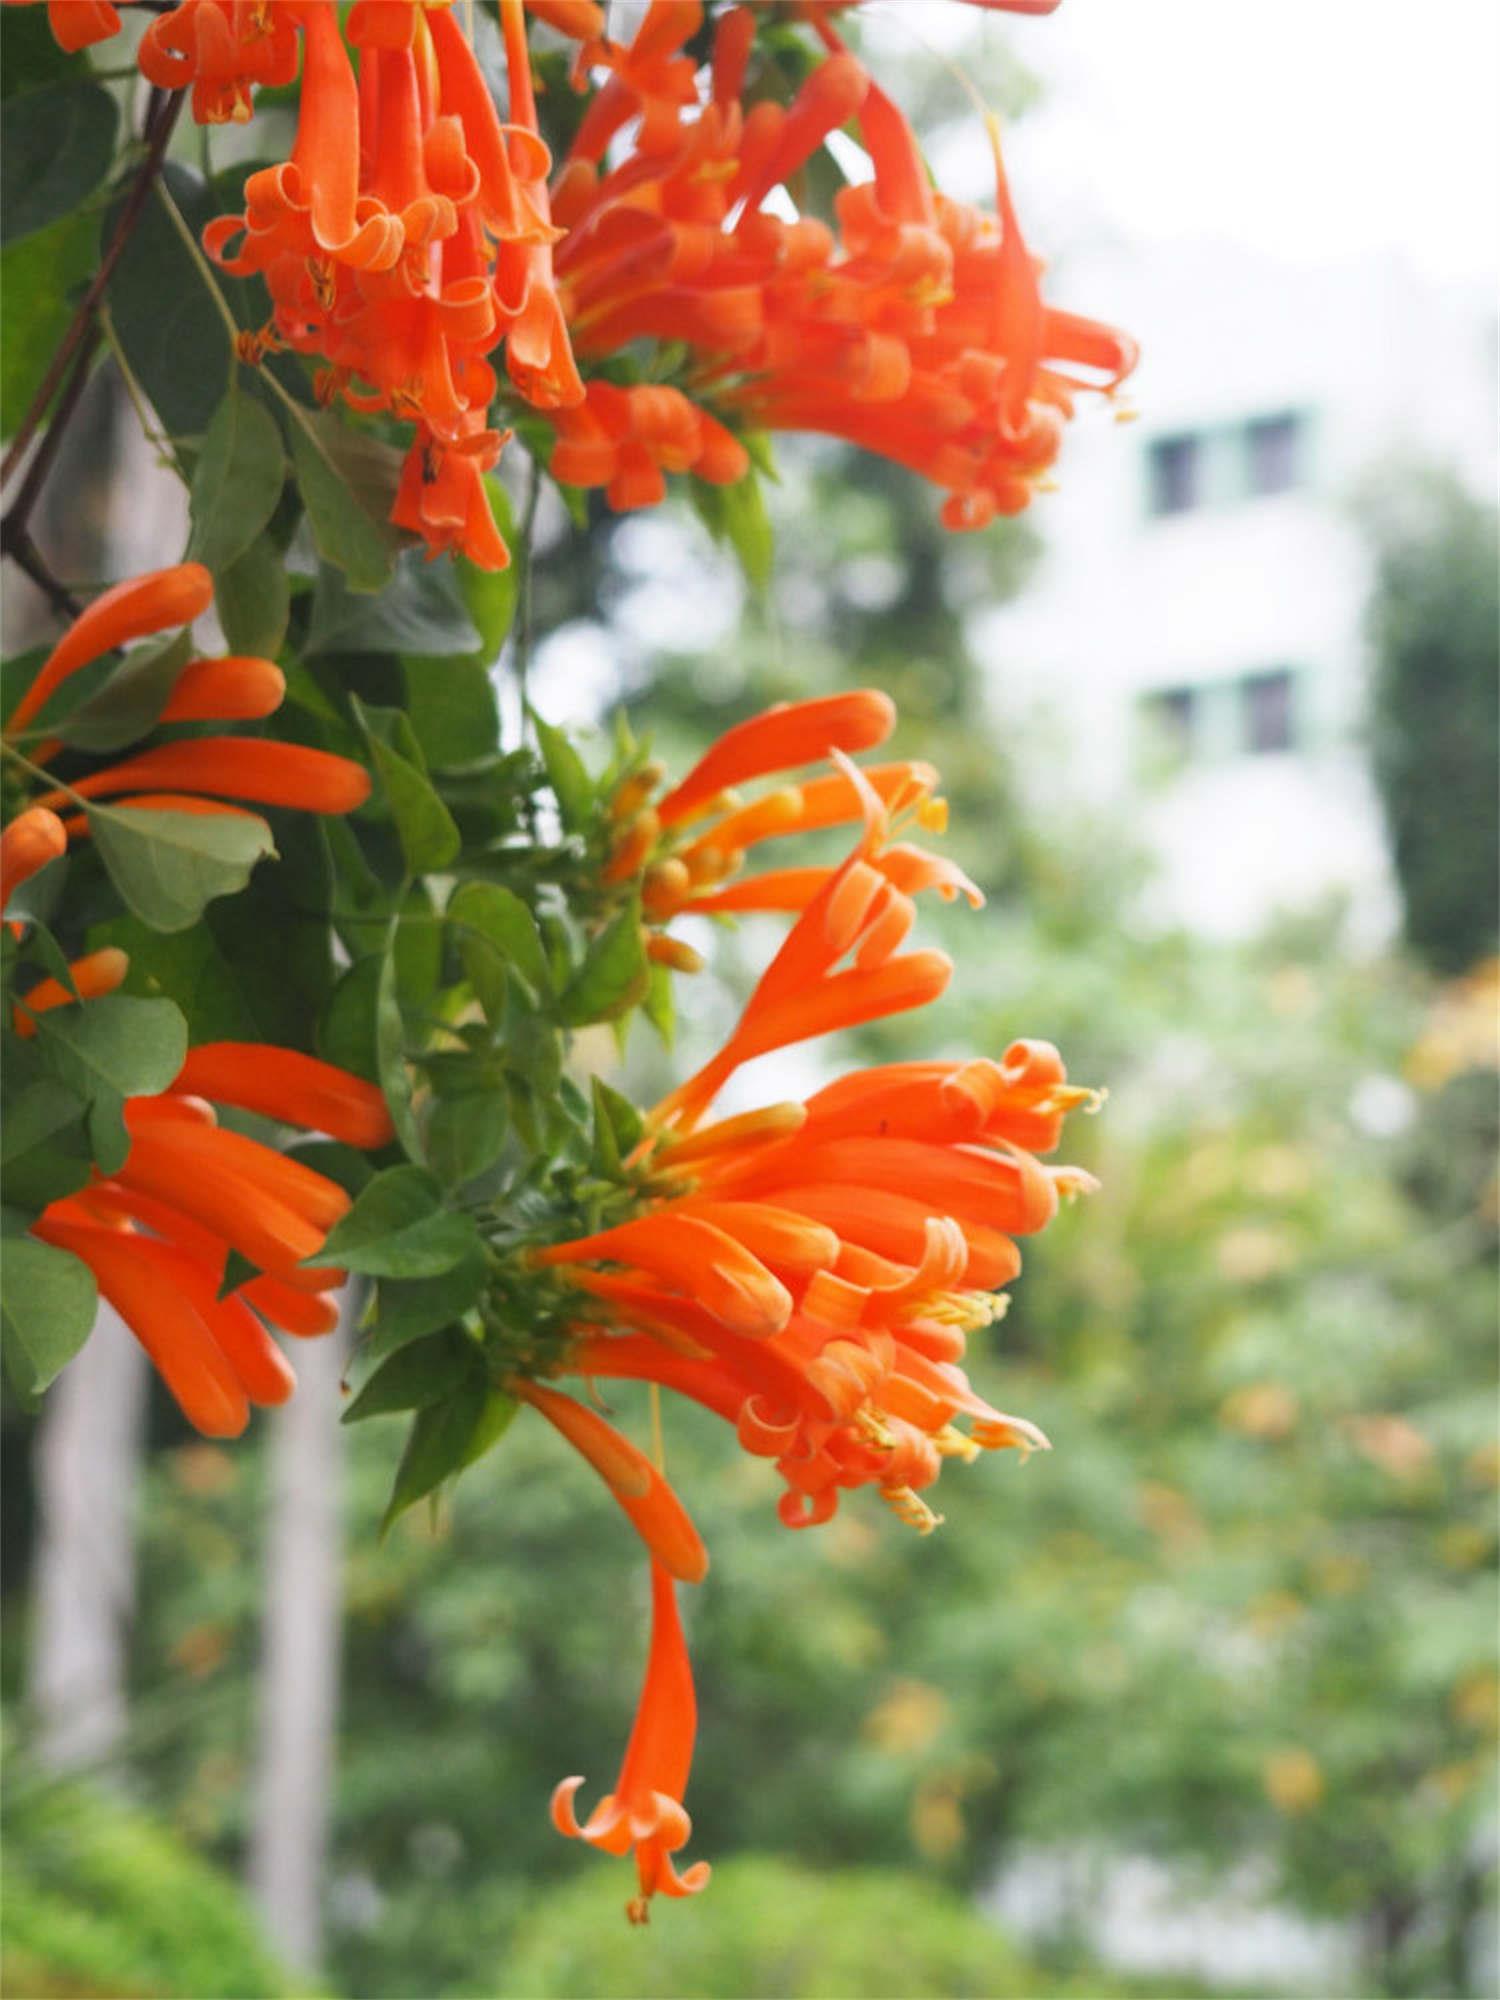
column 161, row 117
column 15, row 529
column 23, row 552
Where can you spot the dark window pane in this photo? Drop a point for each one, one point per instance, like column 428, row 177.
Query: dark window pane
column 1274, row 445
column 1175, row 467
column 1177, row 716
column 1267, row 703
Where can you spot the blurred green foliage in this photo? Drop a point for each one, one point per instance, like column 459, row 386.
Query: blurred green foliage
column 778, row 1931
column 102, row 1904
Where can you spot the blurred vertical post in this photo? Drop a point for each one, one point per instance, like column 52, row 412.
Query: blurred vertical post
column 87, row 1456
column 299, row 1672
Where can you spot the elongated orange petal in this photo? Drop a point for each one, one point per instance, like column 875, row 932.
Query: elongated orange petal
column 126, row 611
column 705, row 1263
column 297, row 1187
column 237, row 688
column 304, row 1314
column 32, row 839
column 646, row 1499
column 249, row 1219
column 97, row 972
column 241, row 767
column 781, row 739
column 140, row 1279
column 297, row 1089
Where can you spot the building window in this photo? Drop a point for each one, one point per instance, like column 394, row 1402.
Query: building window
column 1266, row 710
column 1175, row 474
column 1176, row 718
column 1274, row 453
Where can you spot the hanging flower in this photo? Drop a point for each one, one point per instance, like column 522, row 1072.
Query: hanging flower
column 157, row 1233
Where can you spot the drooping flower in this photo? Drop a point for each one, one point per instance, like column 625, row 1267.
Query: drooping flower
column 916, row 330
column 223, row 49
column 158, row 1231
column 810, row 1272
column 644, row 1812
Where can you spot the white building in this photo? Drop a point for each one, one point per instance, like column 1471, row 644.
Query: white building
column 1197, row 620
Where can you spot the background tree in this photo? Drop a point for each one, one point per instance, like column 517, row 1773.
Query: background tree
column 1435, row 707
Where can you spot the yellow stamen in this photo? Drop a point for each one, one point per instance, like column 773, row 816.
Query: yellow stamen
column 911, row 1508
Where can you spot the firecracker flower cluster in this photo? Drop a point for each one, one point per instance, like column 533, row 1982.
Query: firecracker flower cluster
column 299, row 941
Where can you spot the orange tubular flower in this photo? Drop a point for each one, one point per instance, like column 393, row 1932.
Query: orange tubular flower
column 688, row 845
column 192, row 774
column 810, row 1272
column 32, row 839
column 270, row 773
column 294, row 1088
column 917, row 331
column 95, row 973
column 130, row 610
column 157, row 1233
column 77, row 24
column 644, row 1811
column 223, row 48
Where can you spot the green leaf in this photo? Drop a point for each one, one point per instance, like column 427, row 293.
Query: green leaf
column 47, row 1305
column 237, row 481
column 40, row 947
column 453, row 710
column 492, row 594
column 238, row 1270
column 737, row 515
column 399, row 1228
column 466, row 1134
column 439, row 1443
column 31, row 55
column 391, row 1072
column 346, row 1030
column 418, row 1374
column 253, row 598
column 420, row 612
column 496, row 930
column 418, row 948
column 130, row 702
column 429, row 838
column 167, row 865
column 38, row 277
column 571, row 784
column 346, row 534
column 55, row 148
column 186, row 967
column 44, row 1145
column 614, row 975
column 162, row 312
column 407, row 1307
column 617, row 1128
column 110, row 1049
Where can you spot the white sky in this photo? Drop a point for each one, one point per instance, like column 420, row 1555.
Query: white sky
column 1302, row 128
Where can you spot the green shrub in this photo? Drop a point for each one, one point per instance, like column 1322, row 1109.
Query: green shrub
column 105, row 1904
column 768, row 1929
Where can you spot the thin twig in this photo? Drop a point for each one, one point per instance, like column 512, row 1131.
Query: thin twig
column 15, row 529
column 24, row 553
column 160, row 119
